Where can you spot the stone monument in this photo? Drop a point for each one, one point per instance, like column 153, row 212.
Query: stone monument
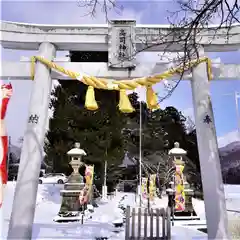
column 70, row 207
column 178, row 160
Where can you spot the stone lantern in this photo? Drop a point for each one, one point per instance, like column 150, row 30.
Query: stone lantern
column 75, row 155
column 178, row 154
column 70, row 207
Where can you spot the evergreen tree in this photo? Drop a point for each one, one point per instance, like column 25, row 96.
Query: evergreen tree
column 99, row 132
column 106, row 134
column 193, row 163
column 160, row 130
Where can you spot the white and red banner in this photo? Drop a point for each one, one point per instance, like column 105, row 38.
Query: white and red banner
column 84, row 196
column 89, row 174
column 6, row 93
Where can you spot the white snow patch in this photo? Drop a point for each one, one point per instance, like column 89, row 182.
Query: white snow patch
column 103, row 218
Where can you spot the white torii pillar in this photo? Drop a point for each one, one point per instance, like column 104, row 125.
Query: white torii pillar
column 213, row 188
column 24, row 202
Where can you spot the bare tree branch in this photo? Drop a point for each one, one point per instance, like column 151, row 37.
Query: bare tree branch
column 106, row 6
column 186, row 26
column 190, row 125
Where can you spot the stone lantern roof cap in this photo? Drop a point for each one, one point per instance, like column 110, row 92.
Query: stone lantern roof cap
column 177, row 150
column 76, row 151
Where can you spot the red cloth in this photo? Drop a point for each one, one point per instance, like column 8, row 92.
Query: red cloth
column 3, row 154
column 6, row 93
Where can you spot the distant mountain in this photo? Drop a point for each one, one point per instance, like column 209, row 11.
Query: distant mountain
column 228, row 138
column 229, row 155
column 230, row 147
column 230, row 162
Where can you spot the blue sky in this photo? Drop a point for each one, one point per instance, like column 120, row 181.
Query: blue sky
column 145, row 12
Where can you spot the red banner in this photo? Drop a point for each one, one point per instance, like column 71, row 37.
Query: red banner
column 6, row 93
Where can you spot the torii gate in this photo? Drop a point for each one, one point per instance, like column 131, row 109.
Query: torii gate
column 50, row 38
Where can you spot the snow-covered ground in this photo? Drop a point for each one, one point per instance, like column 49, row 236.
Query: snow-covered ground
column 101, row 223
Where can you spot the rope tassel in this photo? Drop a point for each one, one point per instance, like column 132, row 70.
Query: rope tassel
column 152, row 101
column 33, row 60
column 90, row 102
column 125, row 105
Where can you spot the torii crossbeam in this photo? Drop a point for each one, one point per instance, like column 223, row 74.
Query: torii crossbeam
column 22, row 70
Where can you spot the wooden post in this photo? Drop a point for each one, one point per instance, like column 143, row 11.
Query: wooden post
column 151, row 223
column 145, row 222
column 139, row 222
column 137, row 234
column 163, row 215
column 127, row 223
column 157, row 222
column 133, row 222
column 168, row 219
